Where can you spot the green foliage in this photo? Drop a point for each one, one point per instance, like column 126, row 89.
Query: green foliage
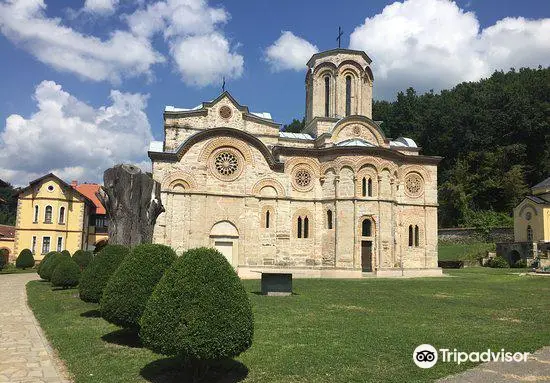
column 82, row 258
column 24, row 260
column 296, row 126
column 43, row 261
column 520, row 264
column 66, row 274
column 132, row 284
column 494, row 135
column 199, row 310
column 498, row 263
column 3, row 262
column 66, row 253
column 95, row 276
column 51, row 263
column 8, row 210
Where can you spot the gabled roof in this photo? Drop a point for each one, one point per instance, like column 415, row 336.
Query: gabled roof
column 90, row 190
column 545, row 183
column 542, row 187
column 537, row 200
column 63, row 183
column 264, row 117
column 7, row 231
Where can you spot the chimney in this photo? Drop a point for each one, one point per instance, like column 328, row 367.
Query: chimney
column 74, row 183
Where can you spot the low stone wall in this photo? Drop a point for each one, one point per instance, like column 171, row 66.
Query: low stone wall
column 470, row 234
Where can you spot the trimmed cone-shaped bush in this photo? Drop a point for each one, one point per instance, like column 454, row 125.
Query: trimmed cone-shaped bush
column 66, row 252
column 24, row 260
column 66, row 274
column 131, row 285
column 95, row 276
column 83, row 258
column 49, row 266
column 199, row 310
column 43, row 261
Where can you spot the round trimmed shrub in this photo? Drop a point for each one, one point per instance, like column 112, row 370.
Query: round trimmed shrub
column 51, row 263
column 95, row 276
column 131, row 285
column 498, row 263
column 66, row 252
column 66, row 274
column 199, row 310
column 43, row 261
column 82, row 258
column 24, row 260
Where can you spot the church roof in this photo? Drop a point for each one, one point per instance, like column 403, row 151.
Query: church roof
column 354, row 142
column 537, row 200
column 336, row 51
column 541, row 187
column 297, row 136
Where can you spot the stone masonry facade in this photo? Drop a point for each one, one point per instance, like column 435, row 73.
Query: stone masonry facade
column 338, row 200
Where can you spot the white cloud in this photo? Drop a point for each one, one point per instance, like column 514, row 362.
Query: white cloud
column 102, row 7
column 122, row 55
column 73, row 139
column 203, row 60
column 201, row 52
column 433, row 44
column 289, row 52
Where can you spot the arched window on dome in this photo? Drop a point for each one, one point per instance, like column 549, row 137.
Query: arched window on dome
column 327, row 95
column 348, row 95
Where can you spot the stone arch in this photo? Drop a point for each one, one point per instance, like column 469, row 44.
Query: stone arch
column 172, row 180
column 220, row 142
column 527, row 206
column 367, row 171
column 343, row 163
column 224, row 228
column 326, row 67
column 300, row 161
column 267, row 217
column 5, row 252
column 366, row 129
column 350, row 65
column 371, row 223
column 268, row 182
column 405, row 170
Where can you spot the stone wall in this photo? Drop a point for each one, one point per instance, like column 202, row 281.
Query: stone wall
column 470, row 234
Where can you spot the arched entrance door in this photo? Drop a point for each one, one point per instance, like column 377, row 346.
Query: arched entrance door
column 5, row 253
column 367, row 244
column 224, row 237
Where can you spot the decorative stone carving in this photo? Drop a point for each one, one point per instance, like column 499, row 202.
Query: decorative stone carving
column 414, row 185
column 226, row 164
column 132, row 200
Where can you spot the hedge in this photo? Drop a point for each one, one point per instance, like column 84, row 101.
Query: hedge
column 43, row 261
column 24, row 260
column 83, row 258
column 199, row 310
column 66, row 274
column 132, row 284
column 51, row 263
column 95, row 276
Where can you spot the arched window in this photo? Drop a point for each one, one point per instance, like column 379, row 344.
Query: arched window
column 366, row 228
column 48, row 214
column 348, row 95
column 36, row 215
column 299, row 227
column 306, row 227
column 369, row 187
column 411, row 239
column 62, row 214
column 364, row 187
column 416, row 236
column 267, row 219
column 327, row 95
column 329, row 219
column 529, row 233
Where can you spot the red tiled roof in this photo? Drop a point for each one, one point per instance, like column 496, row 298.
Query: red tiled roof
column 7, row 231
column 89, row 191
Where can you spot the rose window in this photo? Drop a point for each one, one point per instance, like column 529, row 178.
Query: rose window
column 414, row 184
column 303, row 178
column 226, row 163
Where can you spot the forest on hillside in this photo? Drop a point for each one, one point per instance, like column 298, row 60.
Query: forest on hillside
column 494, row 135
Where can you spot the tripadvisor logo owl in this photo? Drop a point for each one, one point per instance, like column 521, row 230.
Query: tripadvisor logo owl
column 425, row 356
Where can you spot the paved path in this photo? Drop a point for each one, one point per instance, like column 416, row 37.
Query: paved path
column 25, row 355
column 536, row 369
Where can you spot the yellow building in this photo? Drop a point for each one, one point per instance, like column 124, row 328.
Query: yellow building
column 532, row 215
column 7, row 237
column 54, row 215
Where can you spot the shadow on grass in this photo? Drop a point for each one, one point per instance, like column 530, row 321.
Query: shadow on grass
column 174, row 370
column 91, row 314
column 260, row 293
column 123, row 337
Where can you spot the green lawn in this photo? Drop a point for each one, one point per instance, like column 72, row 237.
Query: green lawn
column 459, row 251
column 329, row 331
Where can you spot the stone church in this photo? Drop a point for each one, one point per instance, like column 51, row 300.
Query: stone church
column 339, row 199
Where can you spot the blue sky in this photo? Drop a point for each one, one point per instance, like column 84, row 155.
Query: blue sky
column 96, row 75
